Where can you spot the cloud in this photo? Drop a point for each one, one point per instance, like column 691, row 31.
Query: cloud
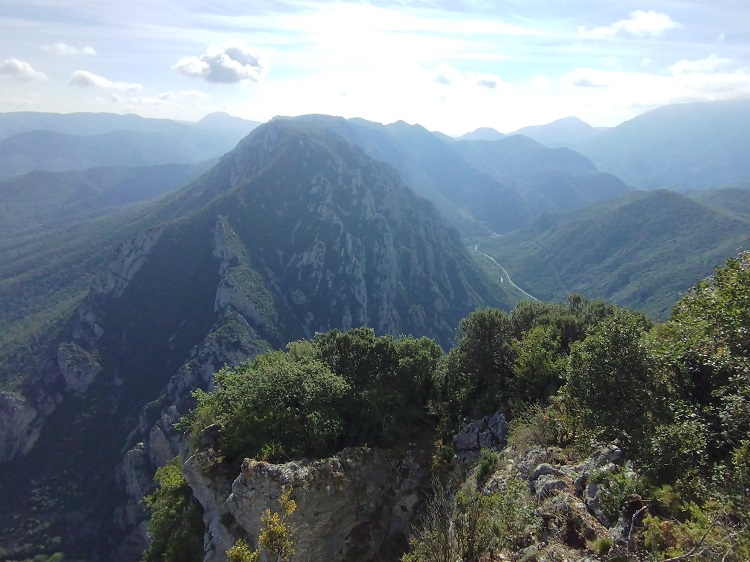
column 640, row 24
column 711, row 63
column 65, row 49
column 583, row 82
column 226, row 65
column 685, row 81
column 21, row 70
column 194, row 97
column 195, row 94
column 87, row 79
column 449, row 76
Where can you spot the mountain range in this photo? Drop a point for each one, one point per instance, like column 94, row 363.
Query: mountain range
column 77, row 141
column 294, row 232
column 125, row 286
column 640, row 251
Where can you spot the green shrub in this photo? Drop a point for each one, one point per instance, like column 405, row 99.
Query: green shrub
column 278, row 406
column 175, row 529
column 487, row 466
column 602, row 545
column 471, row 526
column 240, row 552
column 614, row 489
column 317, row 397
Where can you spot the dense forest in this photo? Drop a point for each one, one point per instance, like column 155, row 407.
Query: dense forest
column 674, row 397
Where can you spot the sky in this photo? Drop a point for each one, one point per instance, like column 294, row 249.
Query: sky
column 449, row 65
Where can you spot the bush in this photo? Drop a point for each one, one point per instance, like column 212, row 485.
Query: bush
column 318, row 397
column 613, row 381
column 278, row 406
column 615, row 489
column 471, row 526
column 602, row 545
column 175, row 529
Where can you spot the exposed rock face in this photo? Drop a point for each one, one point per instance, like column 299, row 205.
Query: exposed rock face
column 488, row 433
column 78, row 367
column 124, row 263
column 18, row 430
column 568, row 502
column 358, row 505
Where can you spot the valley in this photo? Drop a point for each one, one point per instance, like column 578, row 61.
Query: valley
column 138, row 257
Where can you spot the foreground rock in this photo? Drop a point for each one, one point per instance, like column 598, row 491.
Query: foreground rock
column 359, row 505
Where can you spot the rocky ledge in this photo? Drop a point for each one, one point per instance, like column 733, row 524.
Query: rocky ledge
column 358, row 505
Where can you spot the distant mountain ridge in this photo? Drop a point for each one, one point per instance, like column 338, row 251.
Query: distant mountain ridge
column 641, row 251
column 681, row 147
column 482, row 133
column 463, row 180
column 77, row 141
column 295, row 231
column 87, row 124
column 566, row 132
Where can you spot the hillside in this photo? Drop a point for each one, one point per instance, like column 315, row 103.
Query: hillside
column 66, row 142
column 566, row 132
column 681, row 147
column 642, row 251
column 294, row 232
column 551, row 180
column 47, row 201
column 480, row 186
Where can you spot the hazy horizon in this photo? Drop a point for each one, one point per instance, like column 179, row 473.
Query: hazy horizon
column 452, row 66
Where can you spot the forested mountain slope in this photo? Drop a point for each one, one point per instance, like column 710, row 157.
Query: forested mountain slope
column 681, row 147
column 641, row 251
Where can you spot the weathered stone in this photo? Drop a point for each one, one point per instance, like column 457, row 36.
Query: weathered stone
column 358, row 505
column 18, row 430
column 124, row 263
column 77, row 367
column 548, row 484
column 543, row 470
column 487, row 433
column 591, row 498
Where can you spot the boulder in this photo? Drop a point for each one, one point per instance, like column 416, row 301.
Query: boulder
column 488, row 433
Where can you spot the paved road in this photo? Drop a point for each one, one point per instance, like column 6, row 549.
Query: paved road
column 504, row 277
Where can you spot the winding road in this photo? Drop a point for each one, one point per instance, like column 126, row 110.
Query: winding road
column 504, row 277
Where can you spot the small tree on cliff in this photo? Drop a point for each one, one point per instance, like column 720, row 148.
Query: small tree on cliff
column 275, row 537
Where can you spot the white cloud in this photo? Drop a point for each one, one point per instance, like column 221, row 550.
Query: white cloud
column 226, row 65
column 65, row 49
column 711, row 63
column 640, row 23
column 21, row 70
column 448, row 76
column 685, row 81
column 172, row 100
column 194, row 94
column 86, row 79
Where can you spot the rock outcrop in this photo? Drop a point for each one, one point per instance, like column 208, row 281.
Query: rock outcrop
column 488, row 433
column 124, row 263
column 568, row 503
column 359, row 505
column 18, row 427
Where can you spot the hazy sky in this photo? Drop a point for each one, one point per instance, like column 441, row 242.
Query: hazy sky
column 451, row 65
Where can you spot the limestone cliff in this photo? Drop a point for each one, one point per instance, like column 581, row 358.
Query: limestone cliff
column 359, row 505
